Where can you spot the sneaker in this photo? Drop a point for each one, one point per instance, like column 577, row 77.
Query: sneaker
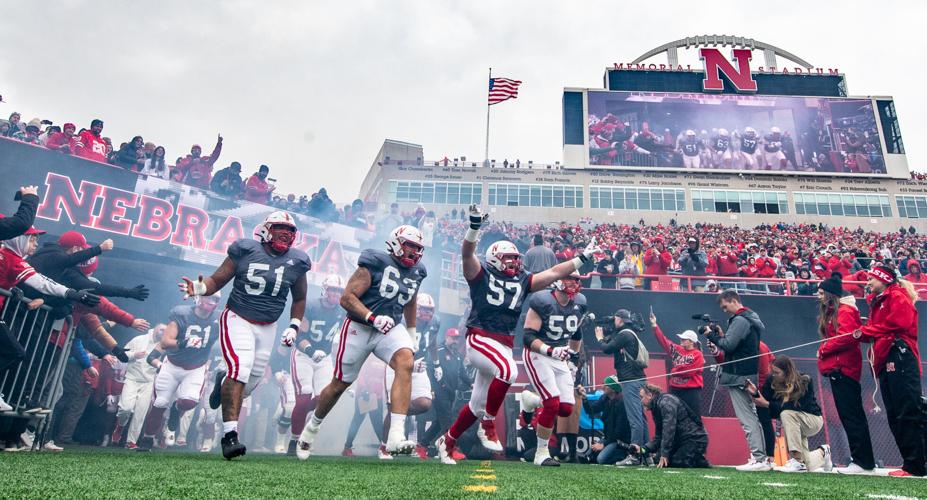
column 304, row 444
column 458, row 455
column 131, row 446
column 421, row 451
column 291, row 448
column 347, row 452
column 206, row 447
column 146, row 443
column 486, row 432
column 4, row 406
column 215, row 397
column 32, row 407
column 116, row 436
column 854, row 469
column 51, row 446
column 173, row 418
column 105, row 442
column 13, row 448
column 170, row 439
column 181, row 443
column 445, row 445
column 383, row 454
column 792, row 466
column 828, row 459
column 900, row 473
column 231, row 448
column 754, row 466
column 629, row 461
column 28, row 437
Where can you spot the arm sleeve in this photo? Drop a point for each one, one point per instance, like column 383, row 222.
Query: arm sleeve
column 80, row 354
column 669, row 429
column 79, row 281
column 902, row 316
column 112, row 312
column 735, row 334
column 846, row 323
column 21, row 221
column 95, row 348
column 78, row 257
column 617, row 343
column 45, row 285
column 215, row 153
column 664, row 342
column 775, row 405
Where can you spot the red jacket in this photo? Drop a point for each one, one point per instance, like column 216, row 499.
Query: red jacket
column 682, row 360
column 657, row 262
column 838, row 265
column 727, row 264
column 765, row 267
column 58, row 139
column 257, row 190
column 198, row 171
column 842, row 354
column 891, row 316
column 91, row 147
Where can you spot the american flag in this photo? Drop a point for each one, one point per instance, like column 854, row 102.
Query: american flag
column 502, row 89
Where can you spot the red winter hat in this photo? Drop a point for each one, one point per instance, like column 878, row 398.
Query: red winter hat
column 73, row 239
column 89, row 266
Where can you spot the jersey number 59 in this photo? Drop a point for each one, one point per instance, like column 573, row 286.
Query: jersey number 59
column 557, row 323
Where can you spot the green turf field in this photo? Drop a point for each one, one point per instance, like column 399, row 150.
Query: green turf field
column 92, row 473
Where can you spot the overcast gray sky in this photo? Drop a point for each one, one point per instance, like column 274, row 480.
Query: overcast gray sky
column 313, row 88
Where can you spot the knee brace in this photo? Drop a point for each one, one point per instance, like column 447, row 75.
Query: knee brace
column 185, row 404
column 549, row 410
column 565, row 410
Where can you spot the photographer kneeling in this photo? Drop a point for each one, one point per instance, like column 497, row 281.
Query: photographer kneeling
column 615, row 428
column 789, row 395
column 630, row 360
column 680, row 439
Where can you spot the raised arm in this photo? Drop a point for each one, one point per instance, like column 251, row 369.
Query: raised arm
column 543, row 279
column 211, row 284
column 469, row 261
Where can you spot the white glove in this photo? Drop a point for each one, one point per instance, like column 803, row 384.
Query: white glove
column 318, row 355
column 419, row 366
column 288, row 337
column 477, row 217
column 591, row 248
column 439, row 373
column 562, row 353
column 383, row 323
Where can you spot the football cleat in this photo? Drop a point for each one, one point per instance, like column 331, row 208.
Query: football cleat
column 445, row 445
column 131, row 446
column 116, row 436
column 173, row 419
column 231, row 448
column 347, row 452
column 548, row 462
column 397, row 444
column 421, row 451
column 215, row 397
column 170, row 439
column 487, row 435
column 207, row 445
column 382, row 454
column 145, row 444
column 291, row 448
column 304, row 445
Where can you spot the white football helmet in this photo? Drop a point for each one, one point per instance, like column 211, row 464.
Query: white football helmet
column 723, row 132
column 332, row 288
column 750, row 132
column 425, row 300
column 690, row 133
column 569, row 285
column 406, row 244
column 279, row 240
column 425, row 307
column 504, row 257
column 775, row 130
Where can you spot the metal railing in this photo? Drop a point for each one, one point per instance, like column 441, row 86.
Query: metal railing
column 31, row 383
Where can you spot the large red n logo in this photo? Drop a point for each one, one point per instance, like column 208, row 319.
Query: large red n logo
column 715, row 64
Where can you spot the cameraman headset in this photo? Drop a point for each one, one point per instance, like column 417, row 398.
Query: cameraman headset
column 741, row 347
column 623, row 342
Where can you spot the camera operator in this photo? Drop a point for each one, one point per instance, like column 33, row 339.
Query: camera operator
column 630, row 360
column 680, row 439
column 741, row 346
column 615, row 427
column 892, row 329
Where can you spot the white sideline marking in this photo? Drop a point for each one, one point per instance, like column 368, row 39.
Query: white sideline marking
column 890, row 497
column 778, row 485
column 714, row 477
column 671, row 472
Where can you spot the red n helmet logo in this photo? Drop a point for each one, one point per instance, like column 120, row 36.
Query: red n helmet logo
column 715, row 64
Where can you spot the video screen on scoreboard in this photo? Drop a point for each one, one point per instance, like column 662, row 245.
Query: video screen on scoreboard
column 734, row 132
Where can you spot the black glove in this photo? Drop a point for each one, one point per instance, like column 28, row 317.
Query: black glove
column 82, row 296
column 120, row 354
column 140, row 292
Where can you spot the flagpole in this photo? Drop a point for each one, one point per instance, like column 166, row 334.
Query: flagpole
column 486, row 157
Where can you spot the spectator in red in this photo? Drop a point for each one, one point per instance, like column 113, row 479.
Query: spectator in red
column 917, row 278
column 198, row 169
column 749, row 269
column 686, row 374
column 64, row 142
column 657, row 260
column 727, row 261
column 90, row 145
column 257, row 189
column 892, row 329
column 765, row 265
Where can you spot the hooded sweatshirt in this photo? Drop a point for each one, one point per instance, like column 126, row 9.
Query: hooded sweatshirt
column 891, row 316
column 842, row 354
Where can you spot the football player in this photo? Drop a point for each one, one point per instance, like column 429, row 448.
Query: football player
column 720, row 148
column 420, row 400
column 773, row 157
column 498, row 287
column 690, row 147
column 380, row 294
column 284, row 413
column 180, row 358
column 747, row 153
column 552, row 338
column 263, row 273
column 311, row 362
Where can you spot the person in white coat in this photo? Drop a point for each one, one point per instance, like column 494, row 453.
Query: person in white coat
column 136, row 393
column 628, row 268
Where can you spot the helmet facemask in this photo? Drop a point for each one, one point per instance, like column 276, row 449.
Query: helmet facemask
column 411, row 253
column 281, row 237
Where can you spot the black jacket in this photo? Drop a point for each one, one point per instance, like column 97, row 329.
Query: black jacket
column 623, row 347
column 807, row 404
column 742, row 340
column 17, row 224
column 675, row 424
column 454, row 375
column 232, row 180
column 614, row 418
column 53, row 261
